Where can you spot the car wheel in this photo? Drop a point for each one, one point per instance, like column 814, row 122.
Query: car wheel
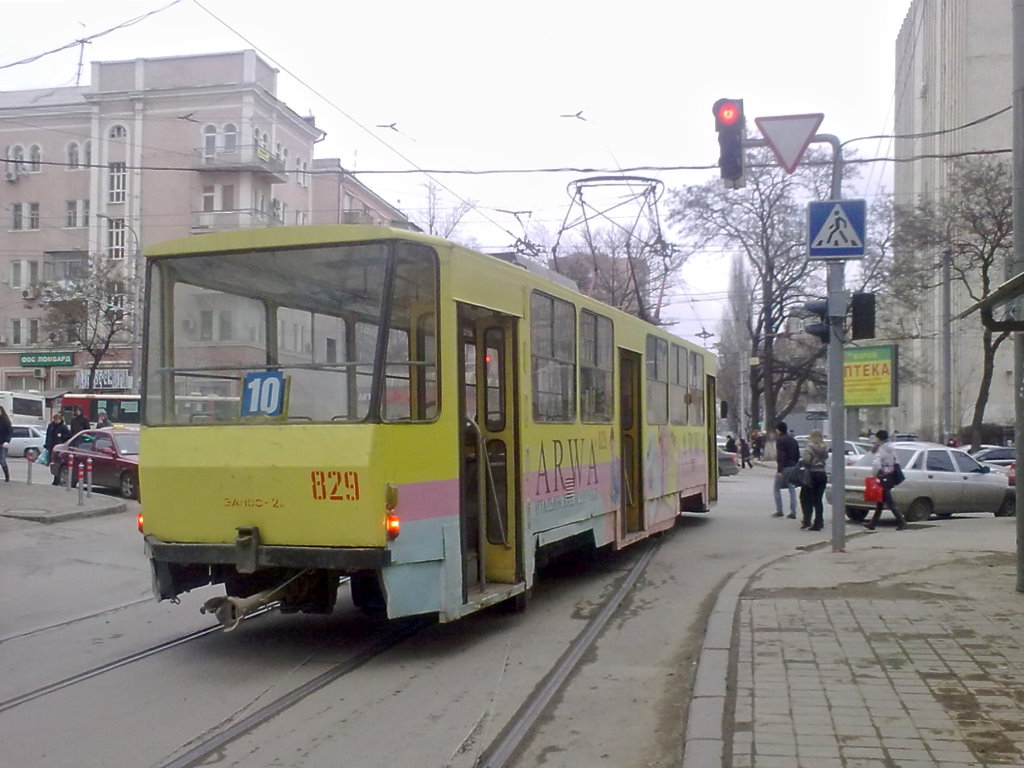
column 31, row 454
column 129, row 485
column 919, row 511
column 856, row 514
column 1008, row 508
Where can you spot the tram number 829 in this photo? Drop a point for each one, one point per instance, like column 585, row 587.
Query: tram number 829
column 334, row 485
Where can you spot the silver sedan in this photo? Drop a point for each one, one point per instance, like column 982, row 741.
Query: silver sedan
column 940, row 481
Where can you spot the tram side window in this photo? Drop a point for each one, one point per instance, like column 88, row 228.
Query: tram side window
column 596, row 371
column 657, row 380
column 696, row 404
column 553, row 358
column 410, row 372
column 677, row 386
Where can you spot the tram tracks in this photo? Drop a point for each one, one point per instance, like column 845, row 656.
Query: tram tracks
column 500, row 752
column 109, row 666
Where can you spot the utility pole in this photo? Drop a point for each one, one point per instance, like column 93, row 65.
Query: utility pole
column 1017, row 264
column 947, row 348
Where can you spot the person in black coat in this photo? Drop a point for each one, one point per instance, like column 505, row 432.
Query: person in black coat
column 787, row 456
column 57, row 432
column 78, row 421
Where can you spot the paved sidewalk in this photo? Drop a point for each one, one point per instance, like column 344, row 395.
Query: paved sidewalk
column 42, row 502
column 905, row 651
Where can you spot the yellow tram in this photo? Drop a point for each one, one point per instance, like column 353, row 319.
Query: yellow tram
column 429, row 421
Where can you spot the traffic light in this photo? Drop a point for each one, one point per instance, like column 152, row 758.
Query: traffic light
column 731, row 126
column 862, row 316
column 818, row 328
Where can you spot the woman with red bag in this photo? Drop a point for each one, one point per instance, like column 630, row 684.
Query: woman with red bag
column 884, row 467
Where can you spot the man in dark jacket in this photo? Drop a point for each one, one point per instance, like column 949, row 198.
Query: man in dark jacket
column 787, row 456
column 78, row 421
column 57, row 432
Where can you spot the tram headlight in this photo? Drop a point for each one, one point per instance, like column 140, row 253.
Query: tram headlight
column 392, row 526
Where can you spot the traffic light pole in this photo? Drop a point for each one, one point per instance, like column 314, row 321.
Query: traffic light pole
column 837, row 300
column 837, row 306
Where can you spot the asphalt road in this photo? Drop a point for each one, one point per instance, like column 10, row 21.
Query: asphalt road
column 76, row 594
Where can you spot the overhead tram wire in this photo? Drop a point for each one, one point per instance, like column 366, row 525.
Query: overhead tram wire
column 89, row 38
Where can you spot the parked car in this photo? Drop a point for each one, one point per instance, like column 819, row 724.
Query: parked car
column 728, row 463
column 26, row 441
column 114, row 454
column 996, row 455
column 939, row 480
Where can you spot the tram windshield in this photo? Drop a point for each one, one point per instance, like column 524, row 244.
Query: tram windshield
column 336, row 334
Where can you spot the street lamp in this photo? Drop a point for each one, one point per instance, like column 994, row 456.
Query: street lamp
column 136, row 296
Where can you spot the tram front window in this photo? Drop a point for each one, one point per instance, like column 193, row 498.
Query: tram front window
column 327, row 334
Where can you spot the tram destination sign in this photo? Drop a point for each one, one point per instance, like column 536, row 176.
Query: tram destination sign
column 29, row 359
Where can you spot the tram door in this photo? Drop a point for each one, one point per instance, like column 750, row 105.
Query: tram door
column 489, row 476
column 631, row 506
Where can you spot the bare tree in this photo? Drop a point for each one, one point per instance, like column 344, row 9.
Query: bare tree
column 973, row 223
column 623, row 268
column 445, row 220
column 765, row 223
column 90, row 310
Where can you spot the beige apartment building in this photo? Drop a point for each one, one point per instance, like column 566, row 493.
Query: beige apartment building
column 150, row 150
column 953, row 67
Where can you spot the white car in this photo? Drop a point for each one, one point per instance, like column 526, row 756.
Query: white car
column 26, row 441
column 939, row 480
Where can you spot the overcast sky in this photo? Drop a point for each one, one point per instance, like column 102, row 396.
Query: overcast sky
column 480, row 85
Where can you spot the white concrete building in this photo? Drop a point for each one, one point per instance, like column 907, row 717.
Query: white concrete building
column 151, row 150
column 953, row 67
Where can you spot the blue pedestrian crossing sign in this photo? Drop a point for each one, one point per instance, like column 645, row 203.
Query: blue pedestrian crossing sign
column 835, row 229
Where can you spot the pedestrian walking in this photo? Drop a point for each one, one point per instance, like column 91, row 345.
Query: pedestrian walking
column 57, row 432
column 887, row 471
column 787, row 458
column 745, row 455
column 78, row 421
column 814, row 459
column 6, row 433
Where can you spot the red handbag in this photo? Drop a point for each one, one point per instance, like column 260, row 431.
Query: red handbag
column 872, row 489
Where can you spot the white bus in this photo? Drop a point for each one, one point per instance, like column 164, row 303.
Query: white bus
column 25, row 408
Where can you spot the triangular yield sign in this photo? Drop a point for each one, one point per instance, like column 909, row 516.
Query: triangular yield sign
column 789, row 136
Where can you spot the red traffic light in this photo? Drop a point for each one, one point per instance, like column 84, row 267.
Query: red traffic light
column 728, row 113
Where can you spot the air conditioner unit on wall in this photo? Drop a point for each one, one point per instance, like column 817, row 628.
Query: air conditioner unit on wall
column 11, row 176
column 39, row 373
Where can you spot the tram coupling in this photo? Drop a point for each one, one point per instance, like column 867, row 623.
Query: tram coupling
column 229, row 611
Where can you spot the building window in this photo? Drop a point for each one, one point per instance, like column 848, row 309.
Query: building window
column 118, row 132
column 230, row 137
column 17, row 216
column 33, row 331
column 33, row 215
column 16, row 331
column 209, row 142
column 206, row 325
column 226, row 330
column 73, row 156
column 227, row 197
column 87, row 154
column 209, row 199
column 115, row 238
column 17, row 158
column 15, row 274
column 35, row 158
column 118, row 182
column 76, row 213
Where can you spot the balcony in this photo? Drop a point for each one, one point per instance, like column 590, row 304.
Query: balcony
column 357, row 216
column 247, row 158
column 222, row 221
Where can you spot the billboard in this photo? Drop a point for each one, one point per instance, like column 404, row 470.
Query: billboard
column 870, row 376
